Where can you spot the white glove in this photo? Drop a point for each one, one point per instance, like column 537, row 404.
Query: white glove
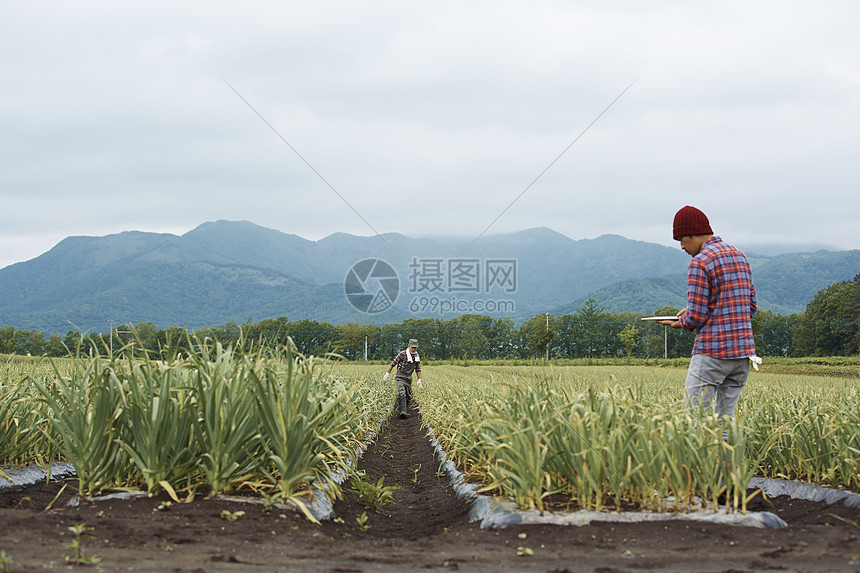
column 755, row 361
column 386, row 376
column 419, row 383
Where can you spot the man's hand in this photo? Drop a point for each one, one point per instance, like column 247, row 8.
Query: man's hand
column 755, row 361
column 386, row 376
column 419, row 383
column 673, row 323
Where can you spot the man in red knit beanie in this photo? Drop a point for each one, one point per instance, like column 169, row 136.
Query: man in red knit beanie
column 721, row 302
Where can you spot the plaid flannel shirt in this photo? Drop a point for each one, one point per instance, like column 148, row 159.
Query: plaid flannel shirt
column 721, row 302
column 400, row 360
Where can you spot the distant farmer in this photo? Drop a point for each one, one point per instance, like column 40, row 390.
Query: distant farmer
column 721, row 302
column 407, row 362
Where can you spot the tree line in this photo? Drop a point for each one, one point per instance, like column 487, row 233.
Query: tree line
column 830, row 326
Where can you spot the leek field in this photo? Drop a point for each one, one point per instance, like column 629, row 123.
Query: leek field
column 274, row 423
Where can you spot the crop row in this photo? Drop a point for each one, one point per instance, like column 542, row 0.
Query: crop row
column 614, row 437
column 214, row 420
column 623, row 437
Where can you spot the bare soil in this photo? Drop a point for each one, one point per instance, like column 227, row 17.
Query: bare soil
column 426, row 529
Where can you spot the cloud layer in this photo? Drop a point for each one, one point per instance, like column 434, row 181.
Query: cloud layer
column 430, row 118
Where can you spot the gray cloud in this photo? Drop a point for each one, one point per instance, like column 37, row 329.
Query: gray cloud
column 114, row 116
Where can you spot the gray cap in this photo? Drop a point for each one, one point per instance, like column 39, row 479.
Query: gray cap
column 413, row 343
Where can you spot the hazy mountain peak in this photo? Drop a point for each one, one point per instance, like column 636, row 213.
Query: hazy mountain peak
column 235, row 270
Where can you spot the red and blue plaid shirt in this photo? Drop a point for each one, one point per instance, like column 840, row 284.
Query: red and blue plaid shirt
column 401, row 359
column 721, row 302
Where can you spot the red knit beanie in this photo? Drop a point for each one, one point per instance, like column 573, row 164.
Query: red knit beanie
column 690, row 221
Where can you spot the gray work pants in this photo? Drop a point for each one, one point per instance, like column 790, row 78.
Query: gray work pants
column 709, row 378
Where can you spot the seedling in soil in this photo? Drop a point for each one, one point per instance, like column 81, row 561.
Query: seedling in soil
column 76, row 545
column 164, row 506
column 415, row 471
column 231, row 515
column 373, row 497
column 525, row 551
column 362, row 521
column 5, row 562
column 269, row 501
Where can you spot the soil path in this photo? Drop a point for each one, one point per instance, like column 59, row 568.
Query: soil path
column 426, row 529
column 425, row 503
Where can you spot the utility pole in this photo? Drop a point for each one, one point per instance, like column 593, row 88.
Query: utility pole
column 665, row 342
column 365, row 347
column 547, row 336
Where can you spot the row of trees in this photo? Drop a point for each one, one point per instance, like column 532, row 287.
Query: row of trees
column 830, row 326
column 590, row 332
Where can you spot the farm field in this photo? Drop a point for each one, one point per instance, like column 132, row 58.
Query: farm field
column 427, row 526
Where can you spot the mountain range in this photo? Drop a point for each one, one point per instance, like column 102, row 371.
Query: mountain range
column 237, row 271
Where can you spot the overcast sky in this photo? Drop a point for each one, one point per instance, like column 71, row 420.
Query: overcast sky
column 430, row 118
